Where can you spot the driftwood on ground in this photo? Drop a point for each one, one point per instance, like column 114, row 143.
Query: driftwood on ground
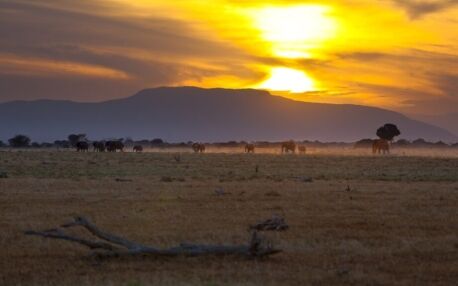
column 275, row 223
column 110, row 245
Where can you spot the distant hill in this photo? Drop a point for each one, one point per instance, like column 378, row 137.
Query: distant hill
column 188, row 113
column 448, row 121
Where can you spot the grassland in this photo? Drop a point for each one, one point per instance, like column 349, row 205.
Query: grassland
column 398, row 224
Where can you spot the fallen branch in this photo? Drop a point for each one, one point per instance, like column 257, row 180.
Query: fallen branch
column 114, row 246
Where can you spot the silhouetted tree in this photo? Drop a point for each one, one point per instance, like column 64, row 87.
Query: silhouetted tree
column 75, row 138
column 157, row 141
column 143, row 142
column 35, row 145
column 19, row 141
column 2, row 144
column 388, row 132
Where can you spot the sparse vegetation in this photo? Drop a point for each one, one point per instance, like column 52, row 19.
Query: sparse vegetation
column 361, row 220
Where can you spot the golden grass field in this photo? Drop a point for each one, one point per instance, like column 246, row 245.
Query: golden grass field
column 398, row 224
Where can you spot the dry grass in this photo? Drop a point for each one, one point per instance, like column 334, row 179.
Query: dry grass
column 398, row 224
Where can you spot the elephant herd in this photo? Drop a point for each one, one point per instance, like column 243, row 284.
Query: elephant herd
column 286, row 147
column 114, row 146
column 380, row 146
column 100, row 146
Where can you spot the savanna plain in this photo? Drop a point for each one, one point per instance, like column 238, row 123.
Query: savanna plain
column 354, row 217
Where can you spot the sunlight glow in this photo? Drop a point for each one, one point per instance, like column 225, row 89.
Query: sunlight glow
column 287, row 79
column 295, row 30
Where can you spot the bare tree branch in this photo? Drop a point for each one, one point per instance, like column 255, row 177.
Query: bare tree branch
column 58, row 234
column 92, row 228
column 112, row 244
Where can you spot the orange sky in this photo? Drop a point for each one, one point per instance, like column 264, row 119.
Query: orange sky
column 395, row 54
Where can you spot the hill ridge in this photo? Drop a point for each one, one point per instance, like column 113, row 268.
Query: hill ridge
column 190, row 113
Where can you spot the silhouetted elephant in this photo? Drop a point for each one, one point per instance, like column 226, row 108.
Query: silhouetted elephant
column 99, row 146
column 288, row 146
column 380, row 145
column 302, row 149
column 138, row 148
column 249, row 148
column 82, row 146
column 113, row 146
column 198, row 147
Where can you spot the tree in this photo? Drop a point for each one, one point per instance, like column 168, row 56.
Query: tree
column 388, row 132
column 2, row 144
column 19, row 141
column 157, row 141
column 75, row 138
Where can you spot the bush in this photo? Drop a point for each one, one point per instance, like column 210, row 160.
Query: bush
column 19, row 141
column 157, row 141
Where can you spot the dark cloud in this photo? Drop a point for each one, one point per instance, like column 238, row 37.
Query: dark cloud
column 23, row 87
column 414, row 101
column 363, row 56
column 447, row 83
column 419, row 8
column 152, row 51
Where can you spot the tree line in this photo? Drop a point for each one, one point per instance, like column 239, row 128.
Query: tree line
column 24, row 141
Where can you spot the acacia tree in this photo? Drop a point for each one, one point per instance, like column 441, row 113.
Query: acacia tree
column 157, row 141
column 388, row 132
column 19, row 141
column 75, row 138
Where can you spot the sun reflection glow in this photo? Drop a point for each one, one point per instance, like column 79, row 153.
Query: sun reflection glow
column 286, row 79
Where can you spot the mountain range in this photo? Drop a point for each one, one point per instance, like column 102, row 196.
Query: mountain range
column 178, row 114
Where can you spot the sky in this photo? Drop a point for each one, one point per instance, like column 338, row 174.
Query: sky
column 396, row 54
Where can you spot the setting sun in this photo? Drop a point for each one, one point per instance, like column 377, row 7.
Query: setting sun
column 286, row 79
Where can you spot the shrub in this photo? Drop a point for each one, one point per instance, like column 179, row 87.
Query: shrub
column 19, row 141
